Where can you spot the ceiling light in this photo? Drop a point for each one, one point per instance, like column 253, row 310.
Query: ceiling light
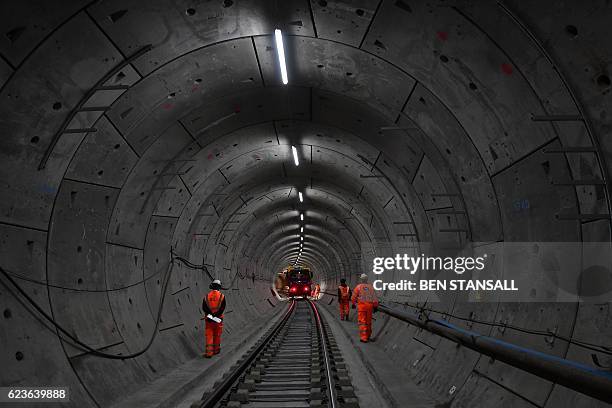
column 301, row 197
column 301, row 238
column 296, row 159
column 281, row 55
column 302, row 229
column 301, row 217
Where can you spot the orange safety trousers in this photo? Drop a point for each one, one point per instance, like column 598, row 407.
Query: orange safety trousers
column 364, row 318
column 344, row 309
column 343, row 302
column 213, row 337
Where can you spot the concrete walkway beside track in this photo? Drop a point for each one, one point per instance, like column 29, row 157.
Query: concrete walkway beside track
column 185, row 384
column 395, row 387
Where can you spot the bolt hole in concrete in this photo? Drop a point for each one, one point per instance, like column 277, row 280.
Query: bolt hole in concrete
column 359, row 12
column 19, row 356
column 190, row 11
column 571, row 30
column 227, row 3
column 80, row 281
column 57, row 106
column 34, row 140
column 603, row 81
column 7, row 313
column 443, row 58
column 473, row 86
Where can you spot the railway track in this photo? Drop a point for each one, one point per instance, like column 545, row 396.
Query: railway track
column 296, row 364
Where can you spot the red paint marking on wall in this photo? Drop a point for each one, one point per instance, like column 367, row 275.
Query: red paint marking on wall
column 195, row 88
column 506, row 68
column 442, row 35
column 210, row 156
column 167, row 106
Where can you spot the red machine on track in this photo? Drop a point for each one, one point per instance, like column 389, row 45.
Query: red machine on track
column 299, row 280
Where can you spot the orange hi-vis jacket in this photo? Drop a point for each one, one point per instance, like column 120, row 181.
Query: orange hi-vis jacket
column 344, row 293
column 365, row 296
column 214, row 300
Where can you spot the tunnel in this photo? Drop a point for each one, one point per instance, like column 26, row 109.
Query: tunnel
column 148, row 148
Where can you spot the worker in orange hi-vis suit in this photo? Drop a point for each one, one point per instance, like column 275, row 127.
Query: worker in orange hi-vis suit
column 344, row 298
column 367, row 302
column 316, row 291
column 213, row 306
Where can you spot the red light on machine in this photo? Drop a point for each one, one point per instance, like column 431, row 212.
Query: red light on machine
column 306, row 289
column 293, row 289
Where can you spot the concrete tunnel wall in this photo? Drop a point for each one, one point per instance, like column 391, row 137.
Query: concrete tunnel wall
column 193, row 153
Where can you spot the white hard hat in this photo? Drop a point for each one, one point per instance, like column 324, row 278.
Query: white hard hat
column 364, row 277
column 217, row 281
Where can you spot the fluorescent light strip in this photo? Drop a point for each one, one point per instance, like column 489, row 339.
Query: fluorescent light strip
column 296, row 159
column 302, row 229
column 280, row 49
column 301, row 217
column 301, row 197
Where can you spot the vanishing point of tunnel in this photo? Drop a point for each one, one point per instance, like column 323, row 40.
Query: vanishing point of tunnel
column 185, row 183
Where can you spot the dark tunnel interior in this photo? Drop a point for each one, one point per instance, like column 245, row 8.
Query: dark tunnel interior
column 146, row 149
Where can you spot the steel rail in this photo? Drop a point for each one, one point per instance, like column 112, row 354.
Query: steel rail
column 219, row 391
column 331, row 390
